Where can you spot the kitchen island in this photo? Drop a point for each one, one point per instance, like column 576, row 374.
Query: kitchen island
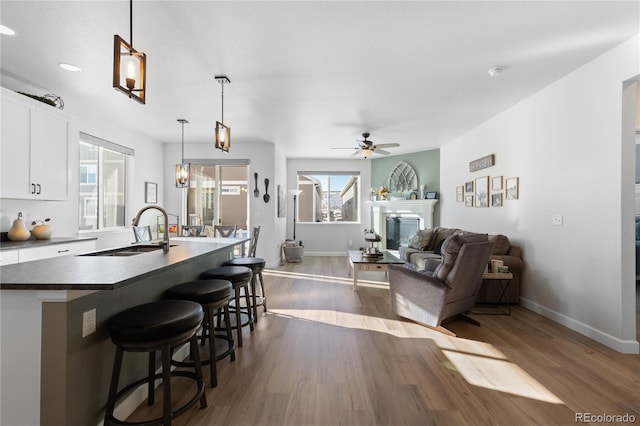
column 49, row 373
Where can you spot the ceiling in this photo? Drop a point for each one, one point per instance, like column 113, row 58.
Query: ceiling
column 309, row 76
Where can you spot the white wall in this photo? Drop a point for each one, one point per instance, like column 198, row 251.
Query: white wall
column 322, row 238
column 261, row 156
column 565, row 144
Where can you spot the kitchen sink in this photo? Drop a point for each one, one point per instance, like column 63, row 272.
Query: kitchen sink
column 127, row 251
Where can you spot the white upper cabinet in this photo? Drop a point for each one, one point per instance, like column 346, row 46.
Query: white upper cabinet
column 34, row 150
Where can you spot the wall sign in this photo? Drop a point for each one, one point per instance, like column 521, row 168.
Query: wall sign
column 482, row 163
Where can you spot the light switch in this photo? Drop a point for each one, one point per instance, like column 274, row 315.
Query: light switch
column 556, row 220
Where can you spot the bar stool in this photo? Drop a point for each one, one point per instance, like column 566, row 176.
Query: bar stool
column 256, row 264
column 156, row 326
column 213, row 296
column 240, row 278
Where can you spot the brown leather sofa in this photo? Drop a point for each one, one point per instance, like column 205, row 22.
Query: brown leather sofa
column 424, row 248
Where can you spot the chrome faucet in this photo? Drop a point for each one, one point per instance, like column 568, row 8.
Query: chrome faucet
column 165, row 242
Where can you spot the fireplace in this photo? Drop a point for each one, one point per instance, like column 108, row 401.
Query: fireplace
column 420, row 210
column 399, row 230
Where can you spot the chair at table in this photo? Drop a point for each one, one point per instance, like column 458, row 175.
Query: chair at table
column 226, row 231
column 253, row 243
column 432, row 298
column 142, row 233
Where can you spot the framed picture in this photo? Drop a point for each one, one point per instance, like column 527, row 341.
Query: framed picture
column 482, row 191
column 459, row 194
column 468, row 187
column 496, row 183
column 468, row 200
column 150, row 192
column 496, row 199
column 431, row 196
column 512, row 187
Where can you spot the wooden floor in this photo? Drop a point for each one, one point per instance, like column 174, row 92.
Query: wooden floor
column 325, row 355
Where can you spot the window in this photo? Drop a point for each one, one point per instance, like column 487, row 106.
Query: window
column 329, row 197
column 102, row 183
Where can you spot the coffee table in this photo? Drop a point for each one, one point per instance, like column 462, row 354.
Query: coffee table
column 360, row 263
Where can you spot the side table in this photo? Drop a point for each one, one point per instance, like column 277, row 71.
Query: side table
column 503, row 279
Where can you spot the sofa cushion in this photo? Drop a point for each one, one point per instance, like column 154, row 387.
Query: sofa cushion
column 450, row 250
column 422, row 239
column 501, row 244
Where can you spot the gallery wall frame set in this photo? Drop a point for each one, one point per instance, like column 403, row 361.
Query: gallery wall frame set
column 488, row 191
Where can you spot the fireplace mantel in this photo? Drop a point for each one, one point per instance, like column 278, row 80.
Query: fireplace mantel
column 380, row 210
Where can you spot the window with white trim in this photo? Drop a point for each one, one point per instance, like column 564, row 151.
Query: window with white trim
column 102, row 183
column 328, row 197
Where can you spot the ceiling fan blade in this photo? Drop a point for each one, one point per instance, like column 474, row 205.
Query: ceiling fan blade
column 381, row 151
column 387, row 145
column 356, row 152
column 345, row 148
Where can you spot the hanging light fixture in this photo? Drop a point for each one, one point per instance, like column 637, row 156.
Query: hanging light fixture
column 129, row 65
column 223, row 133
column 183, row 175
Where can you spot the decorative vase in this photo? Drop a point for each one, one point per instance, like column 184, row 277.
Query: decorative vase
column 42, row 232
column 18, row 231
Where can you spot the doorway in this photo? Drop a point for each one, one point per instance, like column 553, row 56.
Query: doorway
column 218, row 195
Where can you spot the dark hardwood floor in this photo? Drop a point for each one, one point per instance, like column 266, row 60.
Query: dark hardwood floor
column 325, row 355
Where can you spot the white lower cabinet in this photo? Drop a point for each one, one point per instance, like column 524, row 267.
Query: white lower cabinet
column 55, row 250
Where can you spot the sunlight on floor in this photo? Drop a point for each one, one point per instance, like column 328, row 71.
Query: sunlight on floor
column 480, row 364
column 499, row 375
column 326, row 278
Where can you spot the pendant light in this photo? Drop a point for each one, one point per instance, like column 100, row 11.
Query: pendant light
column 223, row 133
column 129, row 65
column 183, row 175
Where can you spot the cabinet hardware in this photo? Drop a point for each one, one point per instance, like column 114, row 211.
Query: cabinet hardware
column 38, row 191
column 33, row 188
column 63, row 251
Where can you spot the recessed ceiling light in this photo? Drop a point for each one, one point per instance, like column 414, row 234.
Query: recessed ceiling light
column 496, row 71
column 6, row 31
column 69, row 67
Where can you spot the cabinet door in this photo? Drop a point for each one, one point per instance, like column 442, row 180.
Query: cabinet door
column 50, row 155
column 56, row 250
column 15, row 151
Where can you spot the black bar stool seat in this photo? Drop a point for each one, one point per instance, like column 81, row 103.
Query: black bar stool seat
column 154, row 326
column 213, row 296
column 257, row 265
column 240, row 277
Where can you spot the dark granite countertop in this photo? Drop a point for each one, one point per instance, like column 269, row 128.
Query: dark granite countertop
column 103, row 272
column 6, row 244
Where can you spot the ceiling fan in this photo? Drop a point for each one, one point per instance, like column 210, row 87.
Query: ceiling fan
column 366, row 147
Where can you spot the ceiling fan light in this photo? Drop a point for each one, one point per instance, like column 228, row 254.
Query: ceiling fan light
column 366, row 153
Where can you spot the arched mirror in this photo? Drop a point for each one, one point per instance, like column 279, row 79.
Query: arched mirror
column 403, row 178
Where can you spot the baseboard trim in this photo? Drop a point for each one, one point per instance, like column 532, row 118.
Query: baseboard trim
column 622, row 346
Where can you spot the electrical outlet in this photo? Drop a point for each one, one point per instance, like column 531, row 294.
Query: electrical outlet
column 88, row 322
column 556, row 220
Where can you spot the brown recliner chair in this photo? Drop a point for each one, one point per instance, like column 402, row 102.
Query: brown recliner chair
column 432, row 297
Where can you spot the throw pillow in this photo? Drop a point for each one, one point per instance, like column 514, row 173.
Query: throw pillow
column 501, row 244
column 422, row 239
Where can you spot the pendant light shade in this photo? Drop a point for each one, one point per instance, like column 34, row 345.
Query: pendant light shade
column 183, row 172
column 129, row 65
column 223, row 133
